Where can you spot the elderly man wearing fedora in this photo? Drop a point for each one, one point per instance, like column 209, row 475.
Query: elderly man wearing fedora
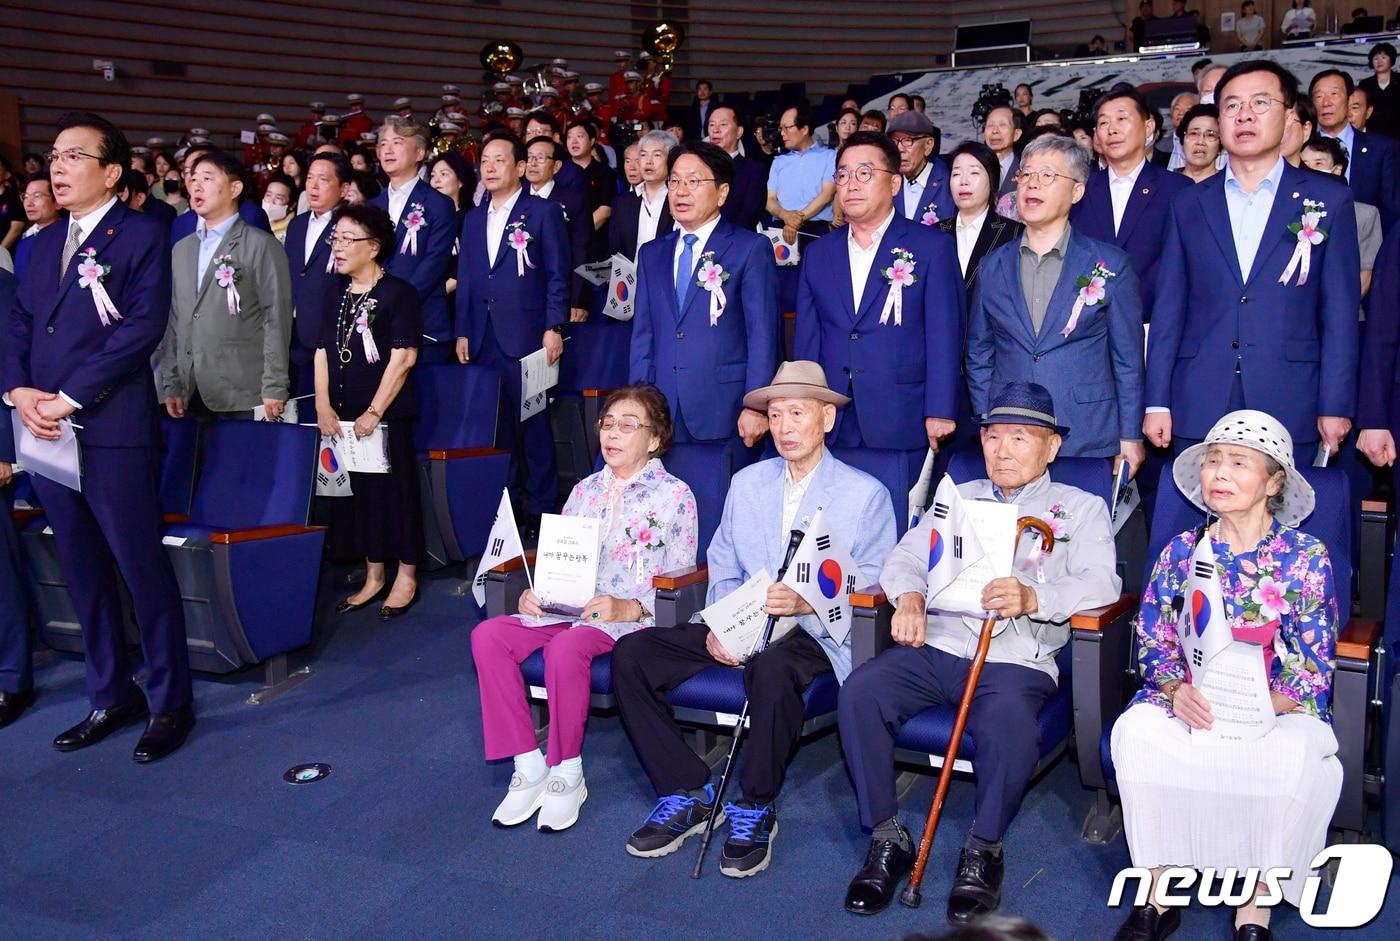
column 1263, row 802
column 766, row 502
column 933, row 652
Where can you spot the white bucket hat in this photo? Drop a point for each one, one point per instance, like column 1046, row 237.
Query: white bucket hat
column 1260, row 432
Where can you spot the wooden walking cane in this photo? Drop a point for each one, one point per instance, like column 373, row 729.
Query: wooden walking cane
column 911, row 896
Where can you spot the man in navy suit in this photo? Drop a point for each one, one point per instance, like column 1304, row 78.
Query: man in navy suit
column 426, row 230
column 1373, row 161
column 1126, row 205
column 1242, row 327
column 316, row 287
column 513, row 298
column 706, row 324
column 923, row 195
column 1062, row 310
column 745, row 205
column 544, row 156
column 902, row 371
column 644, row 214
column 70, row 355
column 16, row 680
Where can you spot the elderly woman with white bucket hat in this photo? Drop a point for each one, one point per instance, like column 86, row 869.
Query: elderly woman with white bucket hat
column 1211, row 783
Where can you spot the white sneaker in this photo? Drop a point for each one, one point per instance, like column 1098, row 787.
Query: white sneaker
column 559, row 811
column 522, row 800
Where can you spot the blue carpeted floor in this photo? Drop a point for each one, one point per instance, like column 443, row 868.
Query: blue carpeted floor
column 397, row 842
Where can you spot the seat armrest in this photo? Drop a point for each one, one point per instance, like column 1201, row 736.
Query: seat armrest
column 1358, row 639
column 505, row 583
column 454, row 454
column 261, row 532
column 1352, row 683
column 172, row 518
column 680, row 593
column 1100, row 645
column 871, row 613
column 681, row 578
column 516, row 564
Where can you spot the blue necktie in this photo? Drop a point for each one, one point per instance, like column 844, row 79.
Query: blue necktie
column 683, row 270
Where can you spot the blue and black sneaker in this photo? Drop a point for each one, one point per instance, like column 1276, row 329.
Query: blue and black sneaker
column 749, row 848
column 676, row 817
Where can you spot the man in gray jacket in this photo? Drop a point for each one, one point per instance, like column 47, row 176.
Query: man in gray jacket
column 929, row 664
column 227, row 344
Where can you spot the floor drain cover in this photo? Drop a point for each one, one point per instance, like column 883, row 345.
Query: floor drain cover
column 306, row 774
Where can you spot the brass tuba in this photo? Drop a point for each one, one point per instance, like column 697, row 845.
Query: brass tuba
column 500, row 57
column 662, row 41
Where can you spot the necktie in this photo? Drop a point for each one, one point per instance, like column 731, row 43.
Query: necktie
column 684, row 268
column 70, row 248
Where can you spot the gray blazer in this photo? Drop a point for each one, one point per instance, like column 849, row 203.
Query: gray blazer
column 1080, row 573
column 234, row 362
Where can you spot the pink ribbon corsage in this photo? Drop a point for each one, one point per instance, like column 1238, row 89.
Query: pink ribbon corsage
column 363, row 322
column 712, row 277
column 930, row 215
column 899, row 275
column 413, row 220
column 91, row 274
column 1309, row 234
column 226, row 275
column 520, row 240
column 1093, row 292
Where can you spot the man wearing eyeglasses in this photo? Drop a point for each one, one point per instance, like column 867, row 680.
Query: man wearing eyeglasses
column 544, row 156
column 1061, row 309
column 800, row 191
column 924, row 195
column 901, row 368
column 316, row 285
column 706, row 322
column 1243, row 326
column 67, row 356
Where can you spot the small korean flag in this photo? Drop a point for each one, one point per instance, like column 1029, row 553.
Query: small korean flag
column 502, row 544
column 332, row 479
column 824, row 575
column 952, row 545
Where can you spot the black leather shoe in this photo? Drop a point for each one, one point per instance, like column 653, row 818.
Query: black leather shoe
column 12, row 705
column 873, row 888
column 346, row 606
column 386, row 612
column 530, row 529
column 1146, row 924
column 165, row 732
column 101, row 723
column 976, row 887
column 1253, row 933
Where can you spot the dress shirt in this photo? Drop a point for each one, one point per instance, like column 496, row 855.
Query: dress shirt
column 1249, row 213
column 315, row 231
column 1347, row 136
column 702, row 235
column 496, row 224
column 914, row 191
column 398, row 197
column 794, row 491
column 967, row 234
column 863, row 259
column 1120, row 190
column 799, row 175
column 544, row 191
column 89, row 222
column 649, row 216
column 1040, row 275
column 209, row 240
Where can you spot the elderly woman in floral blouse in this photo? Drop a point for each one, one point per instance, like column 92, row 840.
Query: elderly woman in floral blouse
column 1245, row 799
column 648, row 527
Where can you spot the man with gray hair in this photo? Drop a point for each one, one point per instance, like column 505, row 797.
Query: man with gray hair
column 425, row 229
column 1063, row 310
column 640, row 216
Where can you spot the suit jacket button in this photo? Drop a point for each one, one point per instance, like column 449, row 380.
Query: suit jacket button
column 680, row 335
column 490, row 277
column 1035, row 358
column 1244, row 299
column 854, row 335
column 1234, row 344
column 50, row 329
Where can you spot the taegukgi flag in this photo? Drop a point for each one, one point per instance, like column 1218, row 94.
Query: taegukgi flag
column 503, row 543
column 952, row 544
column 823, row 573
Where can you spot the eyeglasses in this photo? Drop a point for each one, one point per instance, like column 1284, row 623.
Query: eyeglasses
column 337, row 239
column 1045, row 177
column 787, row 127
column 539, row 158
column 864, row 173
column 70, row 157
column 1203, row 135
column 904, row 143
column 1259, row 104
column 626, row 424
column 689, row 184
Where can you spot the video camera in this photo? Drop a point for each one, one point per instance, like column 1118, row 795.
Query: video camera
column 993, row 95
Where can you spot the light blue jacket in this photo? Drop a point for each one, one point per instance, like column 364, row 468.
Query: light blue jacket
column 750, row 535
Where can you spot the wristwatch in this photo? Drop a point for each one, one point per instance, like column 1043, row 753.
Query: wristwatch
column 558, row 328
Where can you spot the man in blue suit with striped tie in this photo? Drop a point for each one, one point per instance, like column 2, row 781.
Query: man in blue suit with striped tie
column 706, row 324
column 513, row 298
column 1264, row 265
column 316, row 287
column 92, row 309
column 425, row 230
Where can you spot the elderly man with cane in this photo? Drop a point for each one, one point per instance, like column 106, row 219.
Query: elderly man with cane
column 934, row 657
column 766, row 502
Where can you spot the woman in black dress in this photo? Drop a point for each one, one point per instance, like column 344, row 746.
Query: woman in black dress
column 364, row 370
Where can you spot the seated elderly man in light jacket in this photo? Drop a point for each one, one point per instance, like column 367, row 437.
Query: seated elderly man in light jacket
column 929, row 664
column 766, row 502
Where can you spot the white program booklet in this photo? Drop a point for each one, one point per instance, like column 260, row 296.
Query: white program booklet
column 364, row 455
column 537, row 376
column 59, row 461
column 1235, row 685
column 738, row 619
column 995, row 525
column 566, row 563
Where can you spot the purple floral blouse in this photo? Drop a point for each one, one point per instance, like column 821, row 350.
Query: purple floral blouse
column 649, row 526
column 1287, row 577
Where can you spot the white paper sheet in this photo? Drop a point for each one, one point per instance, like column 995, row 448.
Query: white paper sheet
column 566, row 563
column 738, row 619
column 290, row 413
column 537, row 377
column 59, row 461
column 595, row 273
column 995, row 526
column 364, row 455
column 1237, row 689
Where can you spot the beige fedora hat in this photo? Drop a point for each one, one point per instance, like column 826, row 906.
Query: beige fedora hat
column 796, row 379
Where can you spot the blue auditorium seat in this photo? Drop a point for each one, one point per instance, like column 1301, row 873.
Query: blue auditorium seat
column 461, row 472
column 1331, row 521
column 714, row 697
